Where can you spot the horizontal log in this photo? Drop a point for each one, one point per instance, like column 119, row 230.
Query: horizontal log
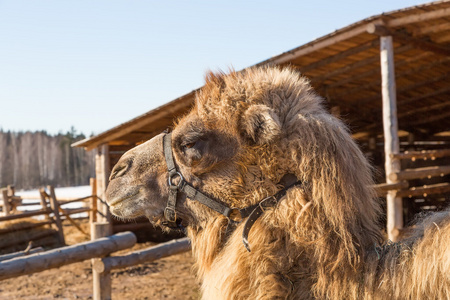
column 425, row 190
column 32, row 237
column 66, row 255
column 383, row 188
column 24, row 227
column 21, row 253
column 67, row 201
column 143, row 256
column 425, row 154
column 72, row 211
column 419, row 173
column 130, row 226
column 431, row 202
column 30, row 204
column 26, row 215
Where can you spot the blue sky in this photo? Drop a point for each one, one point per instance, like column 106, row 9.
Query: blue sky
column 96, row 64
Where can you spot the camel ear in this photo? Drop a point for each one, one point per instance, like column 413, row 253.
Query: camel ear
column 259, row 124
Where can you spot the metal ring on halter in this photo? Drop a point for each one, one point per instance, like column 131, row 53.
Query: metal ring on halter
column 179, row 183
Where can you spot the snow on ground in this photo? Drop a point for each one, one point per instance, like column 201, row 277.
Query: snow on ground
column 63, row 192
column 66, row 193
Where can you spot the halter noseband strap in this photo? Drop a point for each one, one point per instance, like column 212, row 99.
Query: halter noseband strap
column 253, row 212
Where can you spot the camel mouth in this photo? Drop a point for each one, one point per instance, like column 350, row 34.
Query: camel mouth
column 179, row 225
column 126, row 197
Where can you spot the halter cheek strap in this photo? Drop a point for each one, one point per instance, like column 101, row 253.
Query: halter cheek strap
column 253, row 212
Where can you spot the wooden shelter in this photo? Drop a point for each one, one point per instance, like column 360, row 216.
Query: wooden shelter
column 387, row 76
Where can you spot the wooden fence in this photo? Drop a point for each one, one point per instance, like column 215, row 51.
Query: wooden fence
column 52, row 210
column 97, row 250
column 410, row 184
column 401, row 186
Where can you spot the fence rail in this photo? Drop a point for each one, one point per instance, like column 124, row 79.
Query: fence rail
column 66, row 255
column 97, row 250
column 53, row 210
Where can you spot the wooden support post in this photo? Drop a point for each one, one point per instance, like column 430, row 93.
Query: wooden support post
column 391, row 140
column 55, row 208
column 11, row 190
column 101, row 280
column 93, row 213
column 6, row 206
column 102, row 170
column 44, row 203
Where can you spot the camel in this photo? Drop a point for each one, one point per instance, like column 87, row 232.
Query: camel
column 276, row 198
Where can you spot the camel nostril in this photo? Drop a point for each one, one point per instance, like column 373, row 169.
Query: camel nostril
column 119, row 170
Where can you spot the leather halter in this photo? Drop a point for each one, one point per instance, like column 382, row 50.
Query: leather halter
column 253, row 212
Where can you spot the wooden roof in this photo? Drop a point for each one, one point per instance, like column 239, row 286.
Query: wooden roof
column 344, row 68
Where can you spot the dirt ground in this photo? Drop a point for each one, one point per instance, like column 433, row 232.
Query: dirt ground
column 167, row 278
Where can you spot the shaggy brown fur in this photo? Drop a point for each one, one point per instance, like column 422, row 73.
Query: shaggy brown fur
column 246, row 131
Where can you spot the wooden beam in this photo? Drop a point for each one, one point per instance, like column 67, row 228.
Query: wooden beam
column 406, row 38
column 168, row 109
column 383, row 188
column 313, row 46
column 378, row 29
column 143, row 256
column 349, row 68
column 431, row 29
column 376, row 71
column 407, row 88
column 373, row 122
column 391, row 140
column 425, row 96
column 21, row 253
column 25, row 226
column 25, row 215
column 72, row 221
column 422, row 44
column 33, row 236
column 427, row 108
column 335, row 38
column 419, row 17
column 410, row 71
column 339, row 56
column 44, row 203
column 55, row 208
column 442, row 38
column 430, row 154
column 426, row 172
column 425, row 190
column 65, row 255
column 430, row 119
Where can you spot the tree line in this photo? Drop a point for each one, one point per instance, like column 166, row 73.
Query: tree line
column 34, row 159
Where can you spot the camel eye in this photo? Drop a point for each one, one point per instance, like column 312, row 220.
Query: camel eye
column 189, row 145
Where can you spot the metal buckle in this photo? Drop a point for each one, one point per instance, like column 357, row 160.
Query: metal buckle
column 176, row 186
column 265, row 203
column 170, row 214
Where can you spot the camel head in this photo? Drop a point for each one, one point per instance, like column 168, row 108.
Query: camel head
column 246, row 132
column 210, row 149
